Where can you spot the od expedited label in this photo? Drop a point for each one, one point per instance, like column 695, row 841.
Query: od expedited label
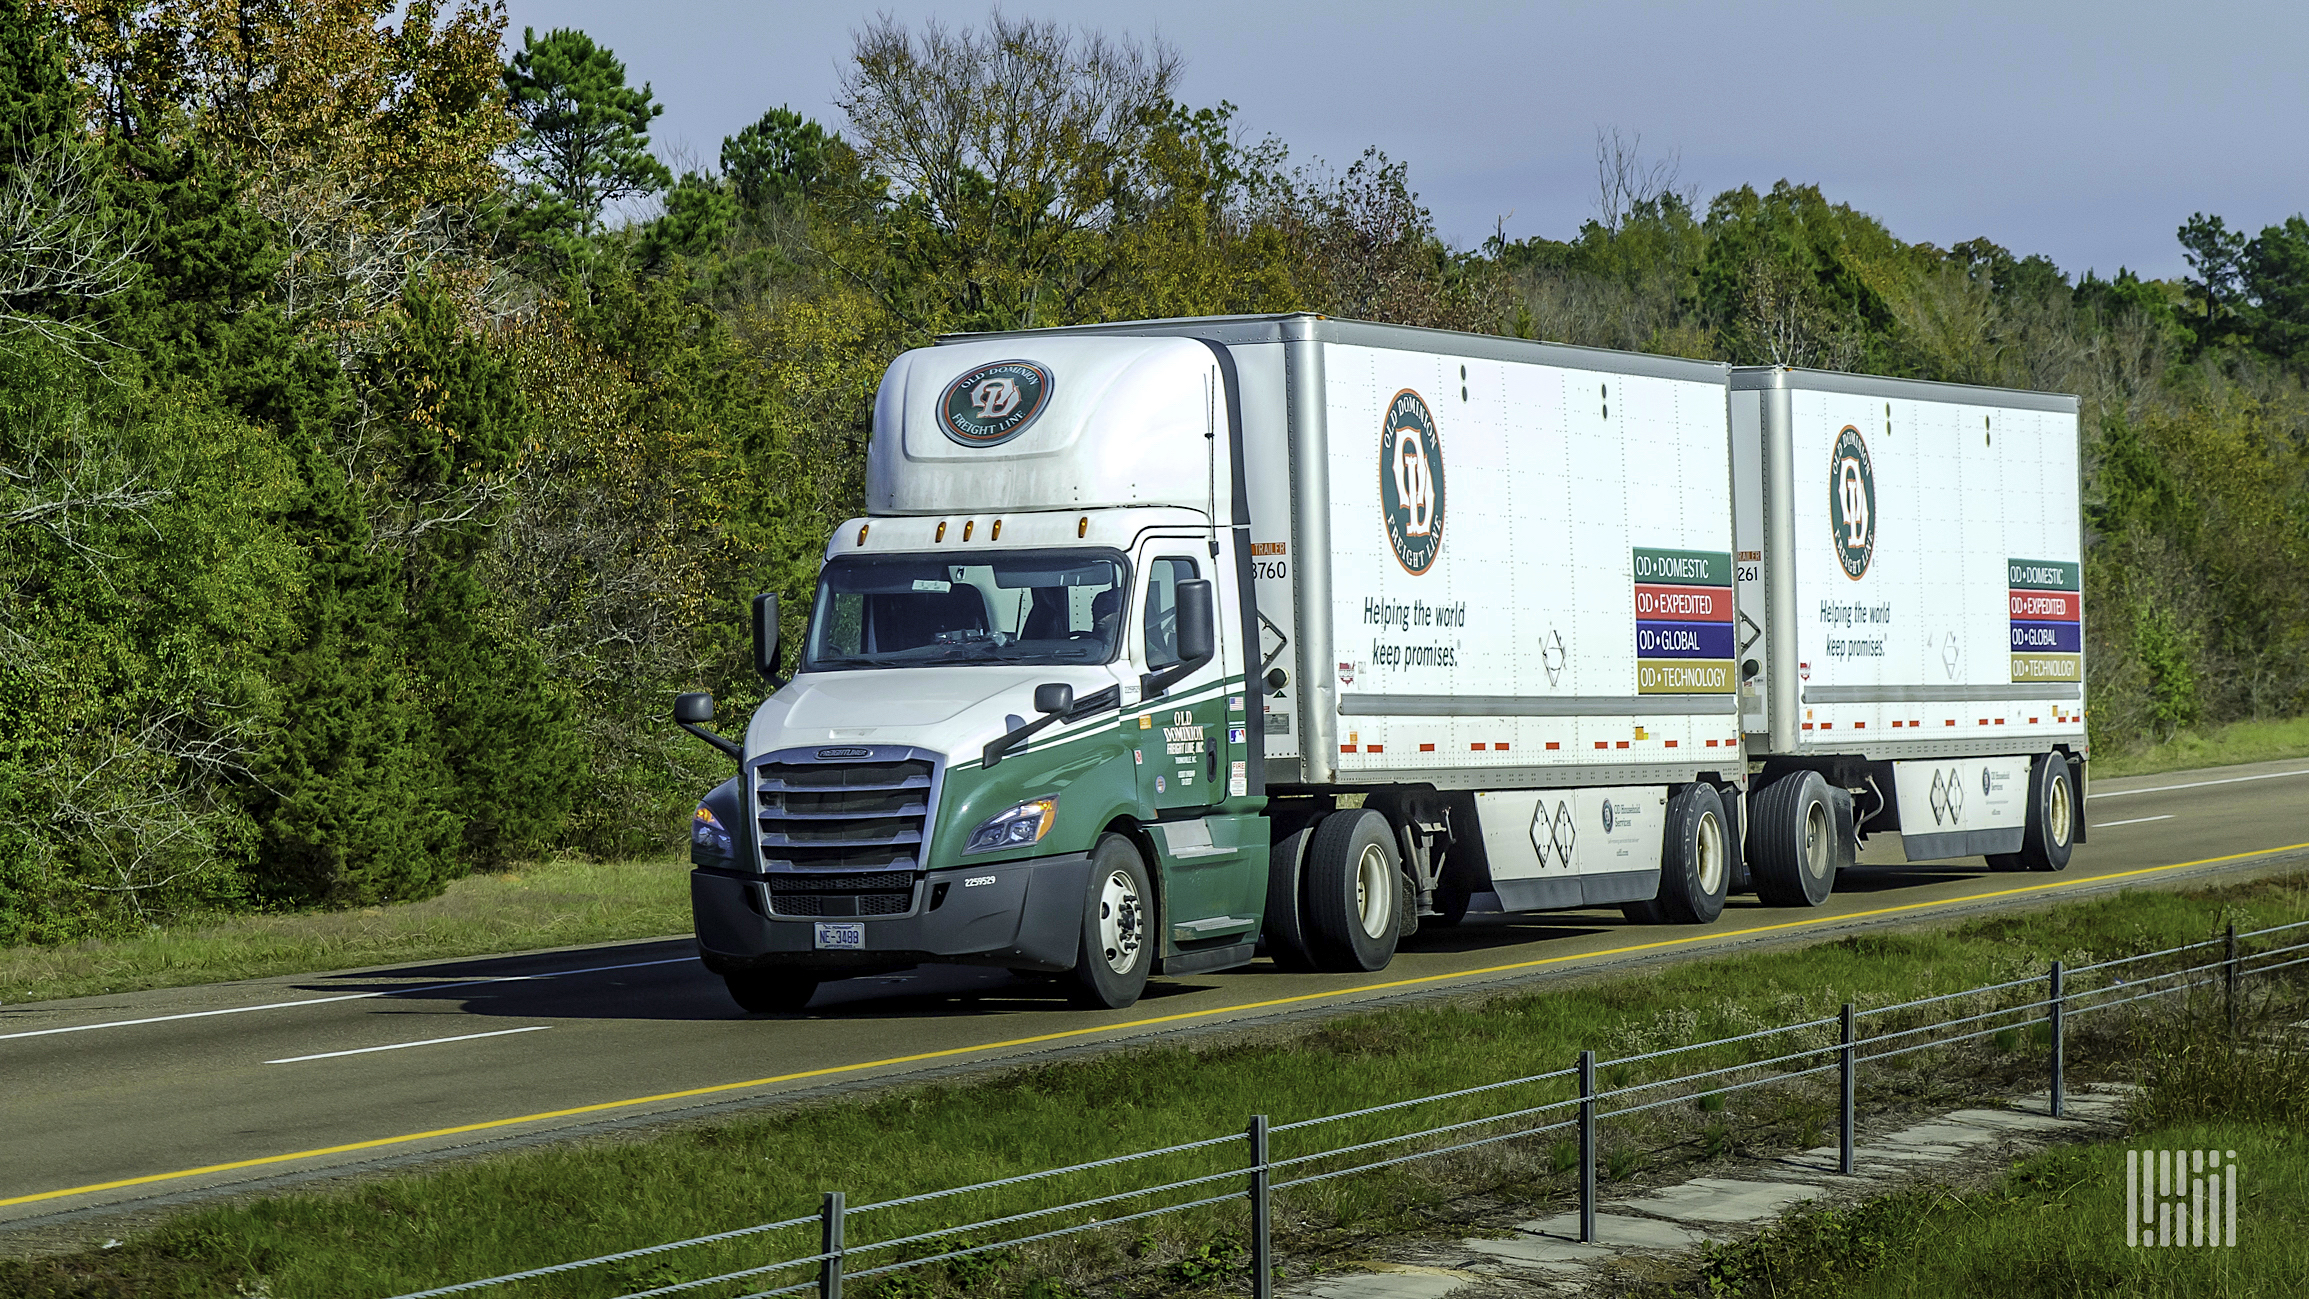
column 2046, row 608
column 1683, row 606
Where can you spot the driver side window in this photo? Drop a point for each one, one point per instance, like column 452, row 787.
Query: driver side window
column 1162, row 609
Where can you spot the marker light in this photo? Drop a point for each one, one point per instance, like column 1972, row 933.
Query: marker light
column 707, row 834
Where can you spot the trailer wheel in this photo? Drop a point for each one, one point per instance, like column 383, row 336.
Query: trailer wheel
column 1286, row 925
column 1353, row 890
column 1792, row 841
column 2050, row 835
column 1118, row 945
column 770, row 992
column 1695, row 862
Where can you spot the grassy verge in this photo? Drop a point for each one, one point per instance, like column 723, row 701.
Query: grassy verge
column 550, row 904
column 2222, row 746
column 528, row 1209
column 2056, row 1224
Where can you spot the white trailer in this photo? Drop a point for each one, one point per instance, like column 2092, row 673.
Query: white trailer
column 1911, row 622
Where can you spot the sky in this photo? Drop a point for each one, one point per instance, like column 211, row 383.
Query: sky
column 2085, row 132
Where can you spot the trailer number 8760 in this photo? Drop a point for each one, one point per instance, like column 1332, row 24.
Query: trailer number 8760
column 1271, row 570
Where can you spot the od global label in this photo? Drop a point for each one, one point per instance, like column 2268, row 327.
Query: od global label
column 994, row 403
column 1411, row 482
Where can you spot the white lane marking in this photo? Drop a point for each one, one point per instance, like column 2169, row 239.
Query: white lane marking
column 2196, row 784
column 397, row 1046
column 2138, row 820
column 350, row 996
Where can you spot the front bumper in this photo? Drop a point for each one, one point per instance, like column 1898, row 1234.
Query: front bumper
column 1028, row 916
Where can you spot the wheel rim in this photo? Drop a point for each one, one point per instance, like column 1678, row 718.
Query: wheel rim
column 1816, row 841
column 1711, row 855
column 2059, row 814
column 1373, row 891
column 1121, row 922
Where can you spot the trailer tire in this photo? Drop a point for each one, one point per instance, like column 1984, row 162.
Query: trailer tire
column 1695, row 862
column 1118, row 944
column 1285, row 929
column 771, row 992
column 2050, row 834
column 1792, row 848
column 1354, row 887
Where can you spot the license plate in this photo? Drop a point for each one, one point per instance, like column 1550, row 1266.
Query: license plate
column 841, row 937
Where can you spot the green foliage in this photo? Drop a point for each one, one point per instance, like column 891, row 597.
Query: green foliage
column 36, row 94
column 585, row 133
column 784, row 159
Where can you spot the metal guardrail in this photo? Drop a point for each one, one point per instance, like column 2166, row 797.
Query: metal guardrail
column 2059, row 1003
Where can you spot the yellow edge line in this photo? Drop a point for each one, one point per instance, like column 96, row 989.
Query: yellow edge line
column 1136, row 1023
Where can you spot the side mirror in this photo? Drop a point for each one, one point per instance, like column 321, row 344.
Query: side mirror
column 766, row 636
column 692, row 710
column 1057, row 697
column 1198, row 622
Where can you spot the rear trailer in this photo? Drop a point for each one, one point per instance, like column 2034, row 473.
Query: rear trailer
column 1910, row 622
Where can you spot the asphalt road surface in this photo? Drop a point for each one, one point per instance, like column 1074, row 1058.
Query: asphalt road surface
column 136, row 1102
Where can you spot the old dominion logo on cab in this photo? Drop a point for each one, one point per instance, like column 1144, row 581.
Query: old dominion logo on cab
column 994, row 403
column 1411, row 482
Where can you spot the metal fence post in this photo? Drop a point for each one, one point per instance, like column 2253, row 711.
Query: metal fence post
column 1262, row 1249
column 1847, row 1059
column 830, row 1244
column 2229, row 975
column 1587, row 1147
column 2059, row 1011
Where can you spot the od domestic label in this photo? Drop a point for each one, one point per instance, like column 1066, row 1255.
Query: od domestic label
column 1411, row 482
column 994, row 403
column 2046, row 608
column 1683, row 624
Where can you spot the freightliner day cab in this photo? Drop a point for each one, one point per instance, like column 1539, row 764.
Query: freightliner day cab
column 1135, row 608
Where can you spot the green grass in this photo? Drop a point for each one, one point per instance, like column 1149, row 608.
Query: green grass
column 556, row 903
column 483, row 1216
column 2222, row 746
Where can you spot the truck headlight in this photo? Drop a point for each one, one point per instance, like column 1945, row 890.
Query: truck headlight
column 707, row 834
column 1020, row 827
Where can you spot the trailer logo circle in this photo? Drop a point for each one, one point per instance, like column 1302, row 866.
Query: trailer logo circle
column 994, row 403
column 1852, row 502
column 1411, row 482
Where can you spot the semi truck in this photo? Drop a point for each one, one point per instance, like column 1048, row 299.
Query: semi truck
column 1164, row 642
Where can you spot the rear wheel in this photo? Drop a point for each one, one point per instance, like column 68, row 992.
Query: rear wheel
column 770, row 992
column 1286, row 925
column 1117, row 948
column 1792, row 841
column 1353, row 892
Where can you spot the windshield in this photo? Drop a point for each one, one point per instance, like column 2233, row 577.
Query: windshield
column 1024, row 606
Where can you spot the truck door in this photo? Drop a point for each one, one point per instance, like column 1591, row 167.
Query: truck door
column 1181, row 745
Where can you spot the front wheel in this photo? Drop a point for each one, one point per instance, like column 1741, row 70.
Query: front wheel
column 771, row 992
column 2050, row 834
column 1354, row 889
column 1117, row 947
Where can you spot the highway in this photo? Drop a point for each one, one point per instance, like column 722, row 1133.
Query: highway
column 133, row 1103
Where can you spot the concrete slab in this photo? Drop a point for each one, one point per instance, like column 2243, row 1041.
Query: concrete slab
column 1403, row 1283
column 1540, row 1252
column 2008, row 1120
column 1620, row 1231
column 1946, row 1135
column 1724, row 1200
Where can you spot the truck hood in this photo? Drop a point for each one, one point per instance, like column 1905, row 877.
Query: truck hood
column 944, row 709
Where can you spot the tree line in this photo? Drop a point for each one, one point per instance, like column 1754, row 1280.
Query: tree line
column 387, row 431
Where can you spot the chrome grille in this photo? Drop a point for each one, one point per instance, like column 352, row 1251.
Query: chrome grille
column 842, row 839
